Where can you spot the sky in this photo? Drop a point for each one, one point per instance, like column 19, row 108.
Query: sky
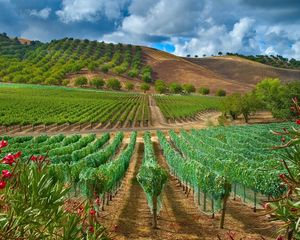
column 195, row 27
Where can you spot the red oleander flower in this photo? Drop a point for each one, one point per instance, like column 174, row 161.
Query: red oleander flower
column 91, row 229
column 3, row 144
column 283, row 139
column 9, row 159
column 33, row 158
column 6, row 174
column 18, row 154
column 2, row 184
column 98, row 201
column 92, row 212
column 298, row 121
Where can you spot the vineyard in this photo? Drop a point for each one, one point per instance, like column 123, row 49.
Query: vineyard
column 214, row 166
column 54, row 108
column 186, row 107
column 49, row 63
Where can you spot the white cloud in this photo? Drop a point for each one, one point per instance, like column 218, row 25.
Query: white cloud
column 44, row 13
column 90, row 10
column 217, row 38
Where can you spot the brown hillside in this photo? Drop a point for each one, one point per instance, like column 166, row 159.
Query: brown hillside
column 243, row 70
column 171, row 68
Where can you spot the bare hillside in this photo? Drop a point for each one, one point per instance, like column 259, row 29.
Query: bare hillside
column 243, row 70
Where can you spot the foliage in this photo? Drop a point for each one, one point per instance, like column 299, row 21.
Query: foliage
column 32, row 205
column 286, row 208
column 204, row 91
column 221, row 93
column 189, row 88
column 276, row 96
column 129, row 86
column 176, row 107
column 55, row 105
column 145, row 87
column 80, row 81
column 97, row 82
column 50, row 63
column 113, row 84
column 160, row 86
column 175, row 88
column 151, row 176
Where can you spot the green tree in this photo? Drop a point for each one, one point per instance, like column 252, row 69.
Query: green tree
column 175, row 88
column 81, row 81
column 249, row 104
column 92, row 66
column 104, row 68
column 145, row 87
column 189, row 88
column 113, row 84
column 129, row 86
column 221, row 93
column 160, row 86
column 231, row 105
column 204, row 91
column 97, row 82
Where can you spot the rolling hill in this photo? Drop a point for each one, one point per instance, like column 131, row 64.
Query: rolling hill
column 60, row 62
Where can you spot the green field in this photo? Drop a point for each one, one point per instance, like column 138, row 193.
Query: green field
column 52, row 105
column 182, row 107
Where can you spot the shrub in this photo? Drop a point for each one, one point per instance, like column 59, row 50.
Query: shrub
column 97, row 82
column 129, row 86
column 175, row 88
column 160, row 86
column 221, row 93
column 104, row 68
column 113, row 84
column 204, row 91
column 80, row 81
column 145, row 87
column 92, row 66
column 189, row 88
column 65, row 82
column 133, row 73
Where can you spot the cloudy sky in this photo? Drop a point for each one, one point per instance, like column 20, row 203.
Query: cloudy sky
column 178, row 26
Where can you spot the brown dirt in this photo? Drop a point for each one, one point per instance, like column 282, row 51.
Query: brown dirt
column 128, row 215
column 244, row 71
column 171, row 68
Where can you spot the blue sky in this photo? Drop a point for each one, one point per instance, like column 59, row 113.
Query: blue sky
column 195, row 27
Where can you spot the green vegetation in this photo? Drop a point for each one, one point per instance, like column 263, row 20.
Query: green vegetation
column 221, row 93
column 210, row 161
column 181, row 107
column 97, row 82
column 152, row 178
column 272, row 60
column 113, row 84
column 160, row 86
column 145, row 87
column 204, row 91
column 54, row 105
column 49, row 63
column 80, row 81
column 129, row 86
